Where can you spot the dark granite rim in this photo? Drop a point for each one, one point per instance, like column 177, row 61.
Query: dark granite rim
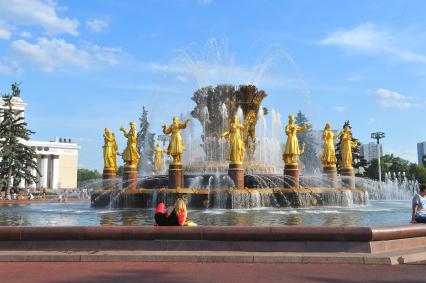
column 213, row 233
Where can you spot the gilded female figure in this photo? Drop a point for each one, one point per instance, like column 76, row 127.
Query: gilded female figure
column 176, row 144
column 292, row 150
column 329, row 154
column 346, row 146
column 109, row 150
column 130, row 154
column 158, row 159
column 236, row 142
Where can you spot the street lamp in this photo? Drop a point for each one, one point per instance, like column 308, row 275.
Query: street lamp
column 377, row 136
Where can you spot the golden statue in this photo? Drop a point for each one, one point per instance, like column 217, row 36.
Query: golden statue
column 110, row 150
column 236, row 142
column 114, row 152
column 130, row 154
column 346, row 146
column 292, row 150
column 329, row 154
column 158, row 159
column 176, row 145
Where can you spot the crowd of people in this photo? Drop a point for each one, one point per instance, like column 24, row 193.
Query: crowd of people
column 43, row 194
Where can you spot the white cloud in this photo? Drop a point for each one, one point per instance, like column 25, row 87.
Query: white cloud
column 37, row 12
column 4, row 33
column 101, row 53
column 50, row 54
column 340, row 109
column 96, row 25
column 5, row 70
column 371, row 121
column 368, row 38
column 57, row 54
column 393, row 100
column 182, row 78
column 25, row 34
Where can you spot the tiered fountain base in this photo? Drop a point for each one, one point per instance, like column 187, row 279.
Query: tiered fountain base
column 108, row 178
column 330, row 176
column 348, row 177
column 175, row 176
column 130, row 178
column 232, row 198
column 236, row 173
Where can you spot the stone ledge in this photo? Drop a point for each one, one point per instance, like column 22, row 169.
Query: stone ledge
column 288, row 233
column 204, row 257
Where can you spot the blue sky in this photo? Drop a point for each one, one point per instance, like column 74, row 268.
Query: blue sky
column 86, row 65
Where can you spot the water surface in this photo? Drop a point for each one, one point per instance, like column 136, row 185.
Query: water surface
column 81, row 214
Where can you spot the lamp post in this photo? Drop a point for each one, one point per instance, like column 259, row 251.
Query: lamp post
column 377, row 136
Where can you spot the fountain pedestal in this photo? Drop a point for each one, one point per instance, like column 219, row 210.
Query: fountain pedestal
column 130, row 178
column 175, row 176
column 236, row 173
column 348, row 177
column 291, row 176
column 108, row 178
column 330, row 175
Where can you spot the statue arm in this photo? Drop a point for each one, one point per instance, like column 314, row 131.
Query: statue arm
column 225, row 134
column 287, row 130
column 354, row 143
column 124, row 132
column 302, row 128
column 167, row 130
column 184, row 125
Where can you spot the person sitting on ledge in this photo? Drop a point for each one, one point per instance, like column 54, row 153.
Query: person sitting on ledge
column 174, row 215
column 419, row 206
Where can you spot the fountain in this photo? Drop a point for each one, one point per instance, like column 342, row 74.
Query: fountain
column 247, row 174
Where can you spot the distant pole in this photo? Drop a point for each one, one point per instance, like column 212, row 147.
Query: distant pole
column 377, row 136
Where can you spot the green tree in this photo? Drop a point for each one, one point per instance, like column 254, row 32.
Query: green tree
column 120, row 170
column 392, row 163
column 311, row 157
column 145, row 143
column 418, row 172
column 87, row 174
column 17, row 159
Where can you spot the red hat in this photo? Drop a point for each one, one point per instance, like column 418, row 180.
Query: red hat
column 161, row 207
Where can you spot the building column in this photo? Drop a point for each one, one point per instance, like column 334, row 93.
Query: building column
column 33, row 173
column 22, row 184
column 55, row 172
column 44, row 171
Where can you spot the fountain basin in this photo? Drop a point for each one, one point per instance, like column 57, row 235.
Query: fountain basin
column 231, row 198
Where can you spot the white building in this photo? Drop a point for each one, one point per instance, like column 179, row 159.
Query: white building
column 57, row 160
column 369, row 150
column 421, row 152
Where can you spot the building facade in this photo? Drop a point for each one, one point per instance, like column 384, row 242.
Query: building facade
column 370, row 150
column 421, row 153
column 57, row 160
